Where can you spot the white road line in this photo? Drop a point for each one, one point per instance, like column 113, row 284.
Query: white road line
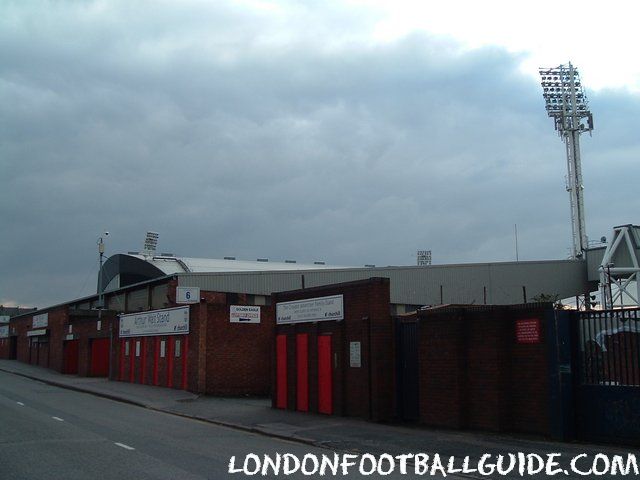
column 58, row 419
column 127, row 447
column 20, row 403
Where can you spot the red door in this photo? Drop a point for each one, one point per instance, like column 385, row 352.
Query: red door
column 70, row 357
column 302, row 372
column 99, row 357
column 325, row 378
column 170, row 362
column 123, row 356
column 281, row 371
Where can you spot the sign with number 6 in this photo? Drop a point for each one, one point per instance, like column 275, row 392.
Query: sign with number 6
column 187, row 294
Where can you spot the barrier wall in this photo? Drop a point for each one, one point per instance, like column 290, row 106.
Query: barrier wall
column 484, row 367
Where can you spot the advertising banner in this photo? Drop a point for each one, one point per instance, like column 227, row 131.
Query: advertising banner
column 244, row 314
column 170, row 321
column 310, row 310
column 40, row 321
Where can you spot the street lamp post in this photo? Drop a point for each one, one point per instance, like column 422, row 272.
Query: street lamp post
column 101, row 298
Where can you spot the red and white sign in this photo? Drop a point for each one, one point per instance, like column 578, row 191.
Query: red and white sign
column 528, row 331
column 244, row 314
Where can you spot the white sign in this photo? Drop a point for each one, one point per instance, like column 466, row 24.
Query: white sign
column 37, row 333
column 244, row 314
column 4, row 319
column 310, row 310
column 354, row 354
column 187, row 294
column 40, row 321
column 4, row 331
column 170, row 321
column 69, row 337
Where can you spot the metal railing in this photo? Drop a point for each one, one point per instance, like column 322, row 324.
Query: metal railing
column 609, row 347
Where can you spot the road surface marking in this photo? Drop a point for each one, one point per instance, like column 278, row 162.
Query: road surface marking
column 58, row 419
column 127, row 447
column 20, row 403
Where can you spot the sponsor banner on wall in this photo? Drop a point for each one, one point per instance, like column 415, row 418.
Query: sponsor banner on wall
column 169, row 321
column 244, row 314
column 4, row 331
column 310, row 310
column 40, row 321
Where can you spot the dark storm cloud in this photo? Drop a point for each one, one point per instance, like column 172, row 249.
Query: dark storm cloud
column 230, row 138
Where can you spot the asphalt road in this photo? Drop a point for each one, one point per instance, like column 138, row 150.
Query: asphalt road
column 48, row 432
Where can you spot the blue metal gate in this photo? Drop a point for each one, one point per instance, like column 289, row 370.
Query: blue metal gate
column 607, row 384
column 407, row 387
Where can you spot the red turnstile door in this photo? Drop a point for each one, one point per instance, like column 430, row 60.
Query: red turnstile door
column 70, row 356
column 100, row 357
column 325, row 377
column 281, row 371
column 302, row 372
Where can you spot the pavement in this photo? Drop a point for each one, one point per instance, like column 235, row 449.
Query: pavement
column 341, row 434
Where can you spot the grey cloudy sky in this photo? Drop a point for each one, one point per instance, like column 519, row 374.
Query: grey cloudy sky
column 287, row 130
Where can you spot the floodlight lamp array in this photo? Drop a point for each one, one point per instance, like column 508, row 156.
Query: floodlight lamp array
column 565, row 100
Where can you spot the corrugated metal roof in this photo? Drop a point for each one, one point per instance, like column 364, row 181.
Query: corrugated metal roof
column 171, row 265
column 492, row 283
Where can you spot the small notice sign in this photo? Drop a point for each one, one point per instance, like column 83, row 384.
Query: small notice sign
column 355, row 354
column 528, row 331
column 187, row 295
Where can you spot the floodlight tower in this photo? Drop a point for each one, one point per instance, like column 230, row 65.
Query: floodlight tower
column 567, row 104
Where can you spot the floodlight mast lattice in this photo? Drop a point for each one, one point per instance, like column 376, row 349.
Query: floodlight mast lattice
column 567, row 104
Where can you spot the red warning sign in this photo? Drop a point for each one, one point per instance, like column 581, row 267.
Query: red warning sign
column 528, row 331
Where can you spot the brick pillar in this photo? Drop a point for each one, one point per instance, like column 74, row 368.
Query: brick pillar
column 201, row 366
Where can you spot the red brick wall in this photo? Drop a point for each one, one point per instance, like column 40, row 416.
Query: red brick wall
column 19, row 327
column 366, row 391
column 474, row 374
column 46, row 354
column 223, row 358
column 4, row 348
column 58, row 320
column 238, row 358
column 442, row 353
